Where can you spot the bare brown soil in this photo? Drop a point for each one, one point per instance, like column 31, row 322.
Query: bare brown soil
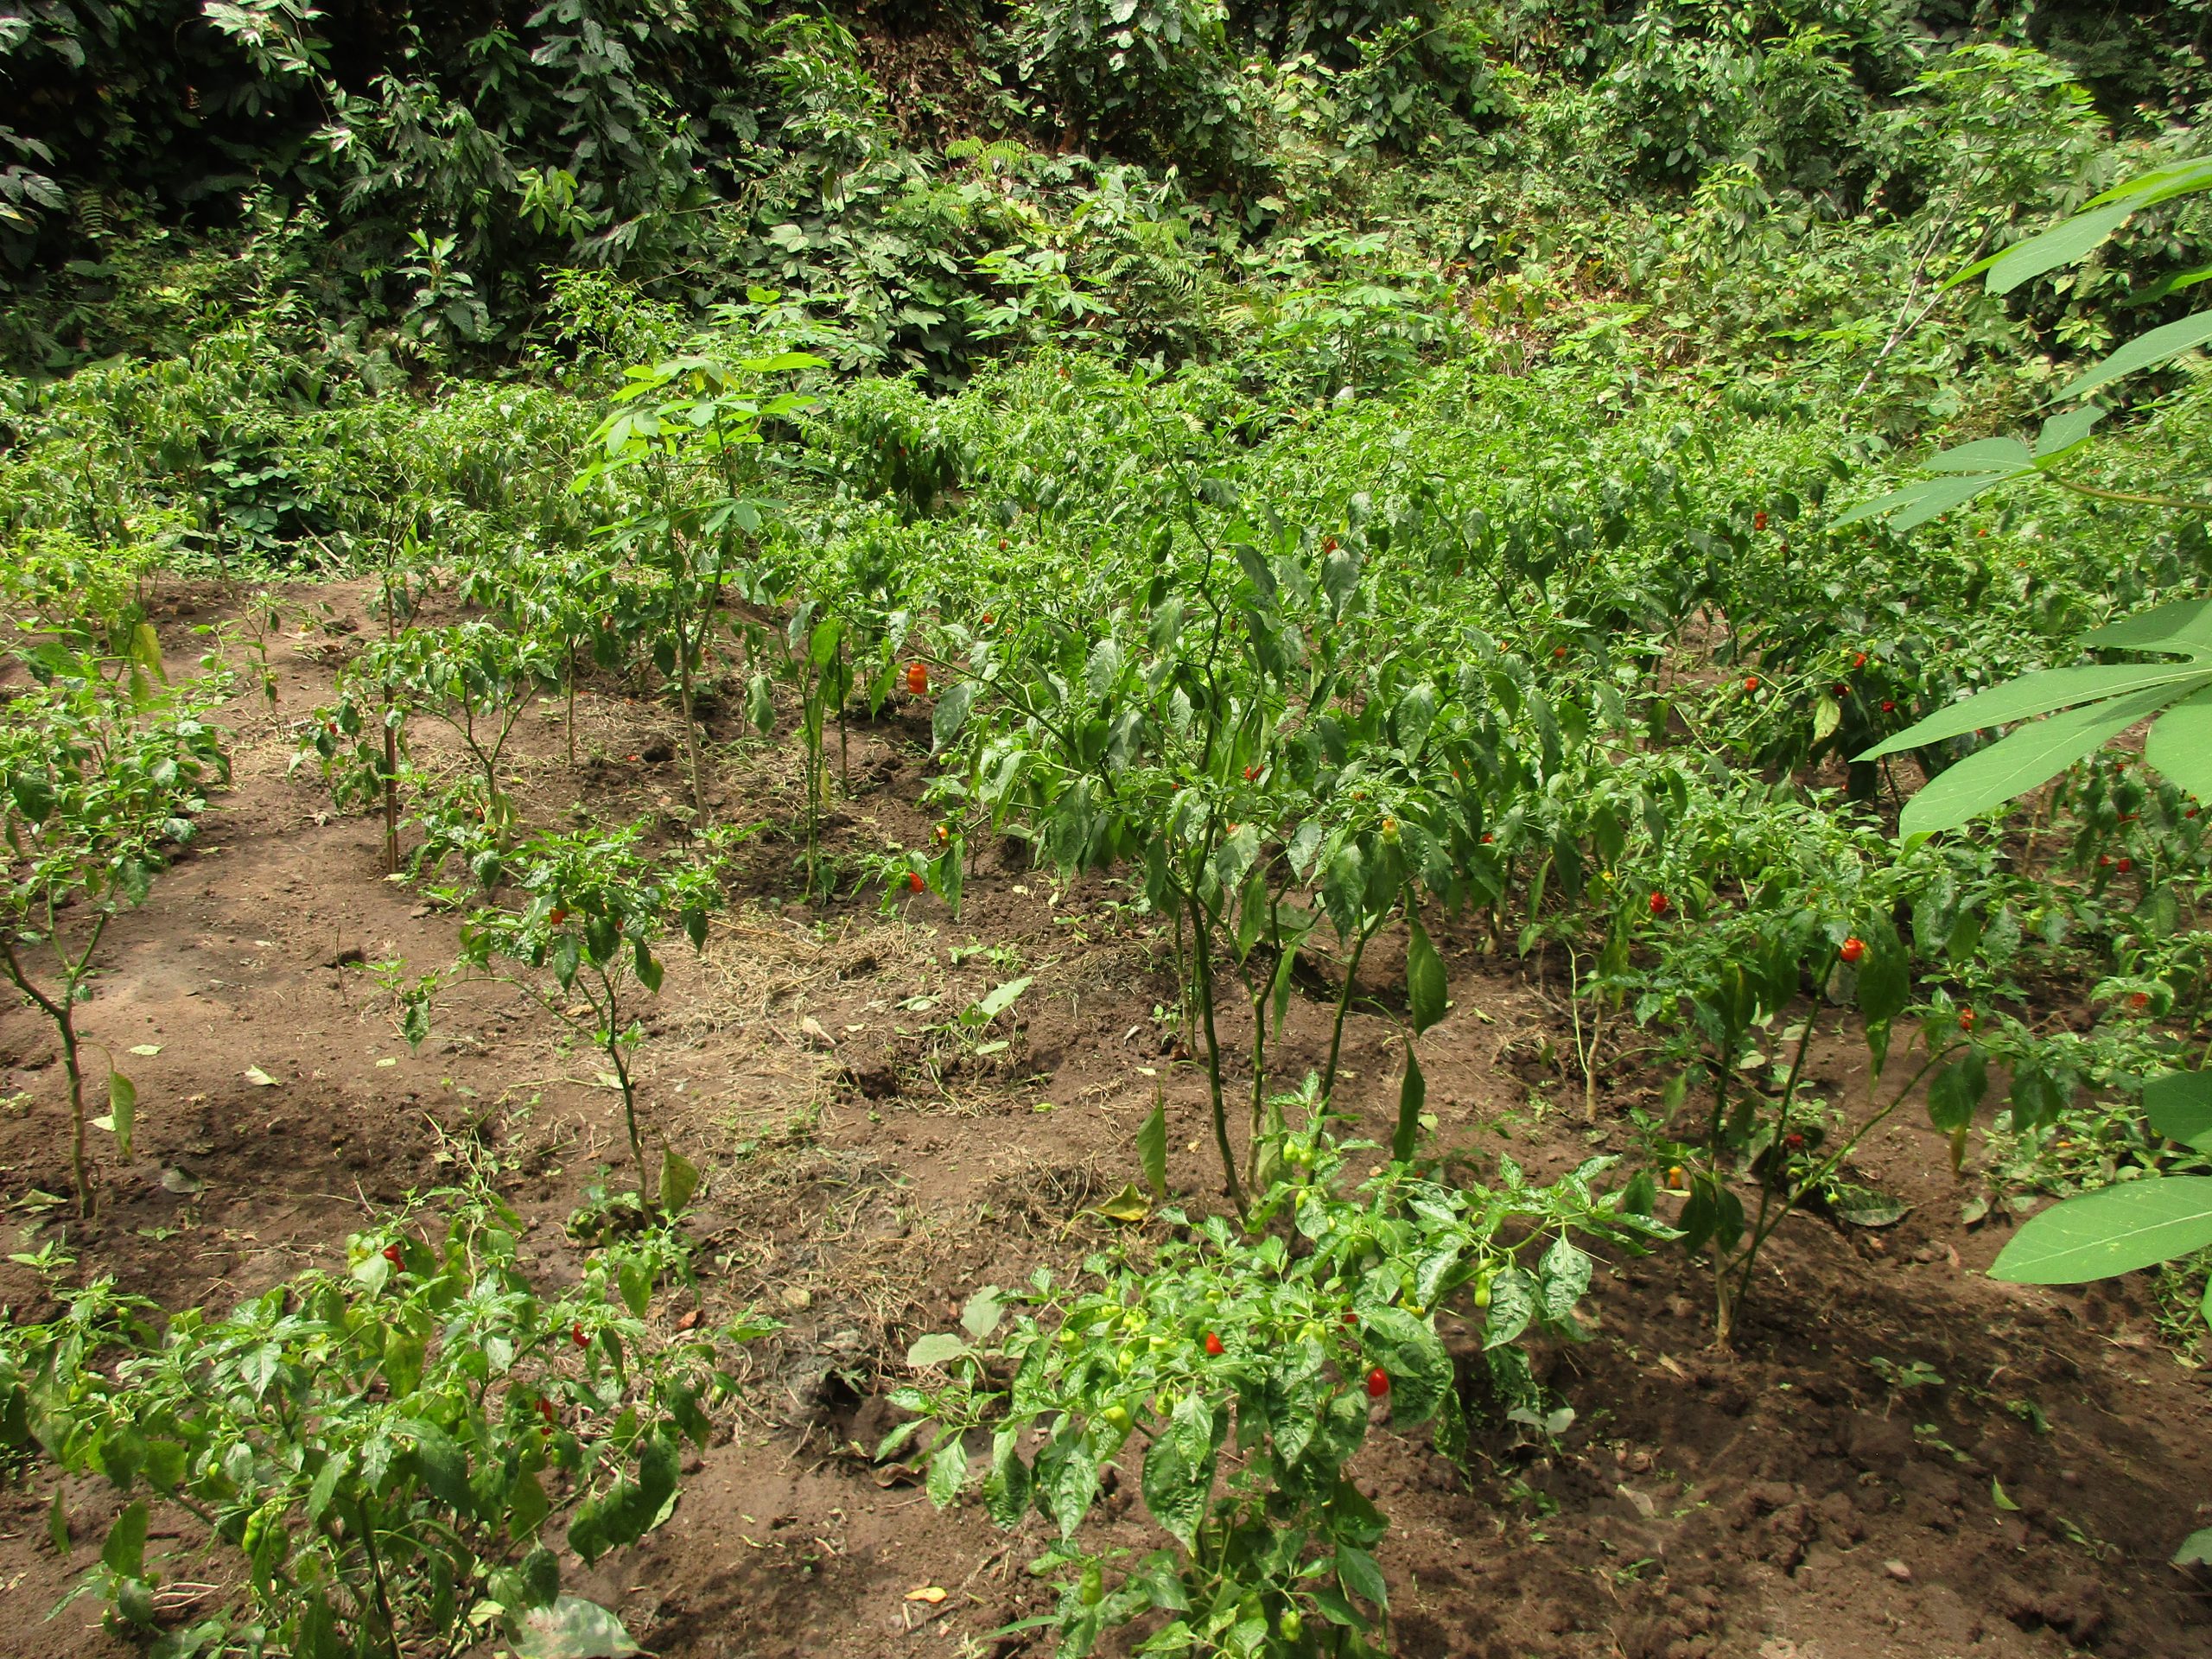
column 866, row 1170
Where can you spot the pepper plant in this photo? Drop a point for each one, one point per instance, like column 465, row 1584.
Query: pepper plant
column 1241, row 1372
column 94, row 787
column 582, row 943
column 475, row 679
column 1225, row 721
column 382, row 1450
column 683, row 439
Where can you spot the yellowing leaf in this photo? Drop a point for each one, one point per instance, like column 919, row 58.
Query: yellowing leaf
column 259, row 1078
column 932, row 1593
column 1128, row 1205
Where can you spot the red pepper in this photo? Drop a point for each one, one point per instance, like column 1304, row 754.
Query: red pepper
column 2141, row 1000
column 1854, row 949
column 1965, row 1019
column 1378, row 1383
column 1888, row 708
column 914, row 882
column 577, row 1335
column 1750, row 681
column 917, row 679
column 1860, row 661
column 1658, row 904
column 2125, row 866
column 1759, row 520
column 1213, row 1346
column 391, row 1254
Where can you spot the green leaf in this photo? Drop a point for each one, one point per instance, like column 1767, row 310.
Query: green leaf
column 442, row 1465
column 1954, row 1091
column 951, row 715
column 634, row 1280
column 2180, row 745
column 2039, row 693
column 1419, row 1368
column 2061, row 433
column 937, row 1349
column 1982, row 455
column 1885, row 974
column 1412, row 1096
column 1101, row 669
column 1426, row 987
column 2064, row 242
column 2143, row 351
column 2196, row 1550
column 679, row 1179
column 1006, row 1488
column 2159, row 184
column 997, row 1001
column 1152, row 1147
column 2182, row 626
column 122, row 1111
column 1358, row 1572
column 527, row 1506
column 982, row 1314
column 2117, row 1229
column 1931, row 498
column 1989, row 777
column 2179, row 1106
column 1512, row 1305
column 124, row 1552
column 1178, row 1471
column 948, row 1471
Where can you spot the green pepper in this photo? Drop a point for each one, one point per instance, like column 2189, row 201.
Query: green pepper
column 1093, row 1587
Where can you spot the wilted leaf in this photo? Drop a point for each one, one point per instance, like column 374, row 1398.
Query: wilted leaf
column 260, row 1079
column 573, row 1628
column 936, row 1349
column 1127, row 1205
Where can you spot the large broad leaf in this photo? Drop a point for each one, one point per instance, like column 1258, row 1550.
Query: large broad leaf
column 2145, row 352
column 2064, row 242
column 2103, row 700
column 1930, row 498
column 2114, row 1230
column 2159, row 184
column 2179, row 1106
column 2180, row 745
column 2030, row 757
column 2041, row 694
column 1965, row 470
